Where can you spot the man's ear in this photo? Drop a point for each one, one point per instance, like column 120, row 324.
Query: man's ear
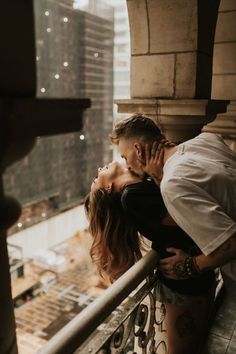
column 139, row 150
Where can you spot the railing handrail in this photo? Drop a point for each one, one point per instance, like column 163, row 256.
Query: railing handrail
column 72, row 335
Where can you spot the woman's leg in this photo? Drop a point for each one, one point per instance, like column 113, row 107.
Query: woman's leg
column 186, row 326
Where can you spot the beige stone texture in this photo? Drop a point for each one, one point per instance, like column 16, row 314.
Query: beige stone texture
column 173, row 25
column 222, row 125
column 193, row 75
column 181, row 128
column 182, row 25
column 226, row 27
column 152, row 76
column 227, row 5
column 139, row 26
column 171, row 107
column 225, row 124
column 224, row 60
column 231, row 142
column 178, row 119
column 185, row 79
column 136, row 105
column 224, row 87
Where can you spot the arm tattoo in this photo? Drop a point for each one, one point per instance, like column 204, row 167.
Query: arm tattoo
column 179, row 269
column 225, row 247
column 223, row 254
column 187, row 268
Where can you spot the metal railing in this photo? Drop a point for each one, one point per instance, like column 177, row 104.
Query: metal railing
column 74, row 337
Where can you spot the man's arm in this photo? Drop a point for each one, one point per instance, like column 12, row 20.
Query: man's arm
column 222, row 255
column 176, row 267
column 198, row 214
column 202, row 218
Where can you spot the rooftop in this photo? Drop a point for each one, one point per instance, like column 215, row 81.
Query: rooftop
column 58, row 297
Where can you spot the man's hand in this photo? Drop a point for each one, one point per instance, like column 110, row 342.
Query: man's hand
column 174, row 267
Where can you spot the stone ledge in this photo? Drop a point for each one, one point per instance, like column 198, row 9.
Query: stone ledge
column 178, row 119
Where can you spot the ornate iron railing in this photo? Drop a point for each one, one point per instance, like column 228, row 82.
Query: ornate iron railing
column 125, row 318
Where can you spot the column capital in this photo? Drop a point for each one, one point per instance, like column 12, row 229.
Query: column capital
column 178, row 119
column 224, row 124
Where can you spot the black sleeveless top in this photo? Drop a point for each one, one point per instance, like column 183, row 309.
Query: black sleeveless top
column 144, row 206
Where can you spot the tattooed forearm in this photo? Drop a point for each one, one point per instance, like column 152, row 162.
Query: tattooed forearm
column 179, row 270
column 225, row 247
column 222, row 255
column 186, row 268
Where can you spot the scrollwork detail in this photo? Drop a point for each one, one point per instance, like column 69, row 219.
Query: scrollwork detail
column 142, row 327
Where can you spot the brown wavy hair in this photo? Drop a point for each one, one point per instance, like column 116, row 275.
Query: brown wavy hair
column 116, row 242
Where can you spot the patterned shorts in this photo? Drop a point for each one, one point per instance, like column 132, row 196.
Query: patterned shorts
column 168, row 296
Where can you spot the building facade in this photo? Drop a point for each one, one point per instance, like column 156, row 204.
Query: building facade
column 121, row 51
column 74, row 59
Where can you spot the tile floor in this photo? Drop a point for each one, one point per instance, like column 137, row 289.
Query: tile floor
column 222, row 336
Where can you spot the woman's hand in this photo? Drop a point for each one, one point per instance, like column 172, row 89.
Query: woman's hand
column 153, row 165
column 174, row 267
column 154, row 159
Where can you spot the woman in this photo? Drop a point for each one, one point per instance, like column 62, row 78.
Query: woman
column 119, row 206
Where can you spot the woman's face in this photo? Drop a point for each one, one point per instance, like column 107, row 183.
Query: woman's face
column 107, row 176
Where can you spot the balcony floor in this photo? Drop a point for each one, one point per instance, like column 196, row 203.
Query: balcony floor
column 222, row 336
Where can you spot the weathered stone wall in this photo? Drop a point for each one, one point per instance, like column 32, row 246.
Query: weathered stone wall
column 171, row 47
column 224, row 60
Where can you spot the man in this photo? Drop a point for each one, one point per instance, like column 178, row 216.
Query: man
column 198, row 187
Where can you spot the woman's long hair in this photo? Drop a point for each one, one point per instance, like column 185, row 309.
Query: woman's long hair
column 116, row 242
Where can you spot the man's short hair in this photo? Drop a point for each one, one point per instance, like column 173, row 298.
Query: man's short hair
column 136, row 126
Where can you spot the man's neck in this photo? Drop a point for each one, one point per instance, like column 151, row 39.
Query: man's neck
column 169, row 151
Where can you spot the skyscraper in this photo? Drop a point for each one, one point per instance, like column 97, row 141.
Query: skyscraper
column 74, row 59
column 121, row 50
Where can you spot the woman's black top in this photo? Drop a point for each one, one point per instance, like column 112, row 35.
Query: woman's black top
column 144, row 206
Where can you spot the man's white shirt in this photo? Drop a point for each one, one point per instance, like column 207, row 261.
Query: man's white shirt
column 199, row 190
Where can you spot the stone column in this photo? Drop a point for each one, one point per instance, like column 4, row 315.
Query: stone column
column 171, row 62
column 225, row 124
column 224, row 72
